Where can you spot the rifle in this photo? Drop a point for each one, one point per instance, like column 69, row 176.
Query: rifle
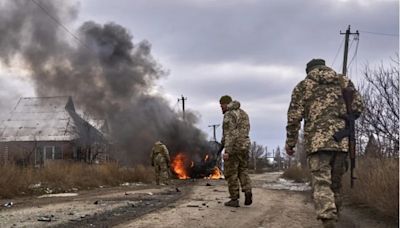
column 349, row 130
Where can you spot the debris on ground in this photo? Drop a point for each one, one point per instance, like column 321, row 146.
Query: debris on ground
column 8, row 204
column 33, row 186
column 208, row 184
column 47, row 218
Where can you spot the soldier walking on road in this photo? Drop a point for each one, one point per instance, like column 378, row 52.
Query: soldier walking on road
column 235, row 139
column 161, row 162
column 319, row 102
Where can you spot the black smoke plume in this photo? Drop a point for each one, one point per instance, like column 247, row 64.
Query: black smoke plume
column 107, row 74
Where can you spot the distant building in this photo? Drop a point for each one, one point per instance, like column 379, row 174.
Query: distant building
column 40, row 130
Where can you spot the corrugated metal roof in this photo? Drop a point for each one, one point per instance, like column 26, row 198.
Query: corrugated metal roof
column 46, row 119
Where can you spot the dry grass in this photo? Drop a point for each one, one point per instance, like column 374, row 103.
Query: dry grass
column 62, row 177
column 377, row 185
column 297, row 174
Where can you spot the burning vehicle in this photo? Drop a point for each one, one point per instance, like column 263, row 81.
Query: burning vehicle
column 185, row 165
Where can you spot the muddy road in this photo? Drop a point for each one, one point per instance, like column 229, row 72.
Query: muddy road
column 188, row 203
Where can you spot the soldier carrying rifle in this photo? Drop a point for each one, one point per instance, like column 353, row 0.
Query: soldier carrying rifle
column 321, row 100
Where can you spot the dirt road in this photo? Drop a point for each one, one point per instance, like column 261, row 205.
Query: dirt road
column 189, row 203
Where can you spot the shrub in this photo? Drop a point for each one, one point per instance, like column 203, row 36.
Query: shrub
column 377, row 185
column 62, row 177
column 297, row 174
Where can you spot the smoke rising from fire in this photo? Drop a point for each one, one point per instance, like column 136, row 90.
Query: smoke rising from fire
column 107, row 75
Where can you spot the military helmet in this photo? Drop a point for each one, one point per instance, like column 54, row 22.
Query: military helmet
column 314, row 63
column 226, row 99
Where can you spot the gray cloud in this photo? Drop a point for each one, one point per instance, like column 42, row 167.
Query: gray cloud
column 276, row 31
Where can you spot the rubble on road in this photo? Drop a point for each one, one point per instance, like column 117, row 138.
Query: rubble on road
column 8, row 204
column 47, row 218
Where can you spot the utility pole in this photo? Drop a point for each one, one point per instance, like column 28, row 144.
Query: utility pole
column 183, row 105
column 214, row 126
column 346, row 47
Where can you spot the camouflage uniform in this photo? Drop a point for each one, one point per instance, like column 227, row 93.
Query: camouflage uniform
column 318, row 101
column 236, row 127
column 160, row 160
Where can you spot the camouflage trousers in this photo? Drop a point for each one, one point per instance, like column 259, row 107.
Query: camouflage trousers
column 162, row 172
column 235, row 171
column 327, row 169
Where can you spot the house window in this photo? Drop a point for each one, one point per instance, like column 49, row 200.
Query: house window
column 48, row 151
column 57, row 153
column 39, row 156
column 52, row 152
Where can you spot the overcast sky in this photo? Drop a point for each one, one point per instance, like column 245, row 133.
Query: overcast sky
column 253, row 50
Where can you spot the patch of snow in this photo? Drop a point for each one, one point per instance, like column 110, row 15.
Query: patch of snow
column 284, row 184
column 58, row 195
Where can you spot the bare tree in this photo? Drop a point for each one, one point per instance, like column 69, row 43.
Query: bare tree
column 256, row 151
column 380, row 92
column 278, row 158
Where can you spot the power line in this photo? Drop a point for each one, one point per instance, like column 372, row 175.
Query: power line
column 355, row 53
column 175, row 107
column 58, row 22
column 380, row 34
column 337, row 53
column 351, row 44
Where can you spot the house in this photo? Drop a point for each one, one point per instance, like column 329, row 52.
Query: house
column 46, row 129
column 102, row 153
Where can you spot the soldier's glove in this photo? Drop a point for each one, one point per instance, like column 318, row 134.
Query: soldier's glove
column 289, row 150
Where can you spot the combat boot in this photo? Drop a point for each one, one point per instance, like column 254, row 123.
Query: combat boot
column 232, row 203
column 328, row 223
column 248, row 198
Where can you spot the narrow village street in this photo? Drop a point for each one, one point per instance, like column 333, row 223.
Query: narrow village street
column 186, row 203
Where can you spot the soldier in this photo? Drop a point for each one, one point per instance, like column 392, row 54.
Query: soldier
column 236, row 141
column 161, row 162
column 319, row 102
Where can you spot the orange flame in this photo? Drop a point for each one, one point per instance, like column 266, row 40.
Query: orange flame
column 178, row 166
column 216, row 174
column 206, row 158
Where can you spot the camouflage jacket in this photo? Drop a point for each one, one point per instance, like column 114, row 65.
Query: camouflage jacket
column 235, row 129
column 319, row 102
column 159, row 154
